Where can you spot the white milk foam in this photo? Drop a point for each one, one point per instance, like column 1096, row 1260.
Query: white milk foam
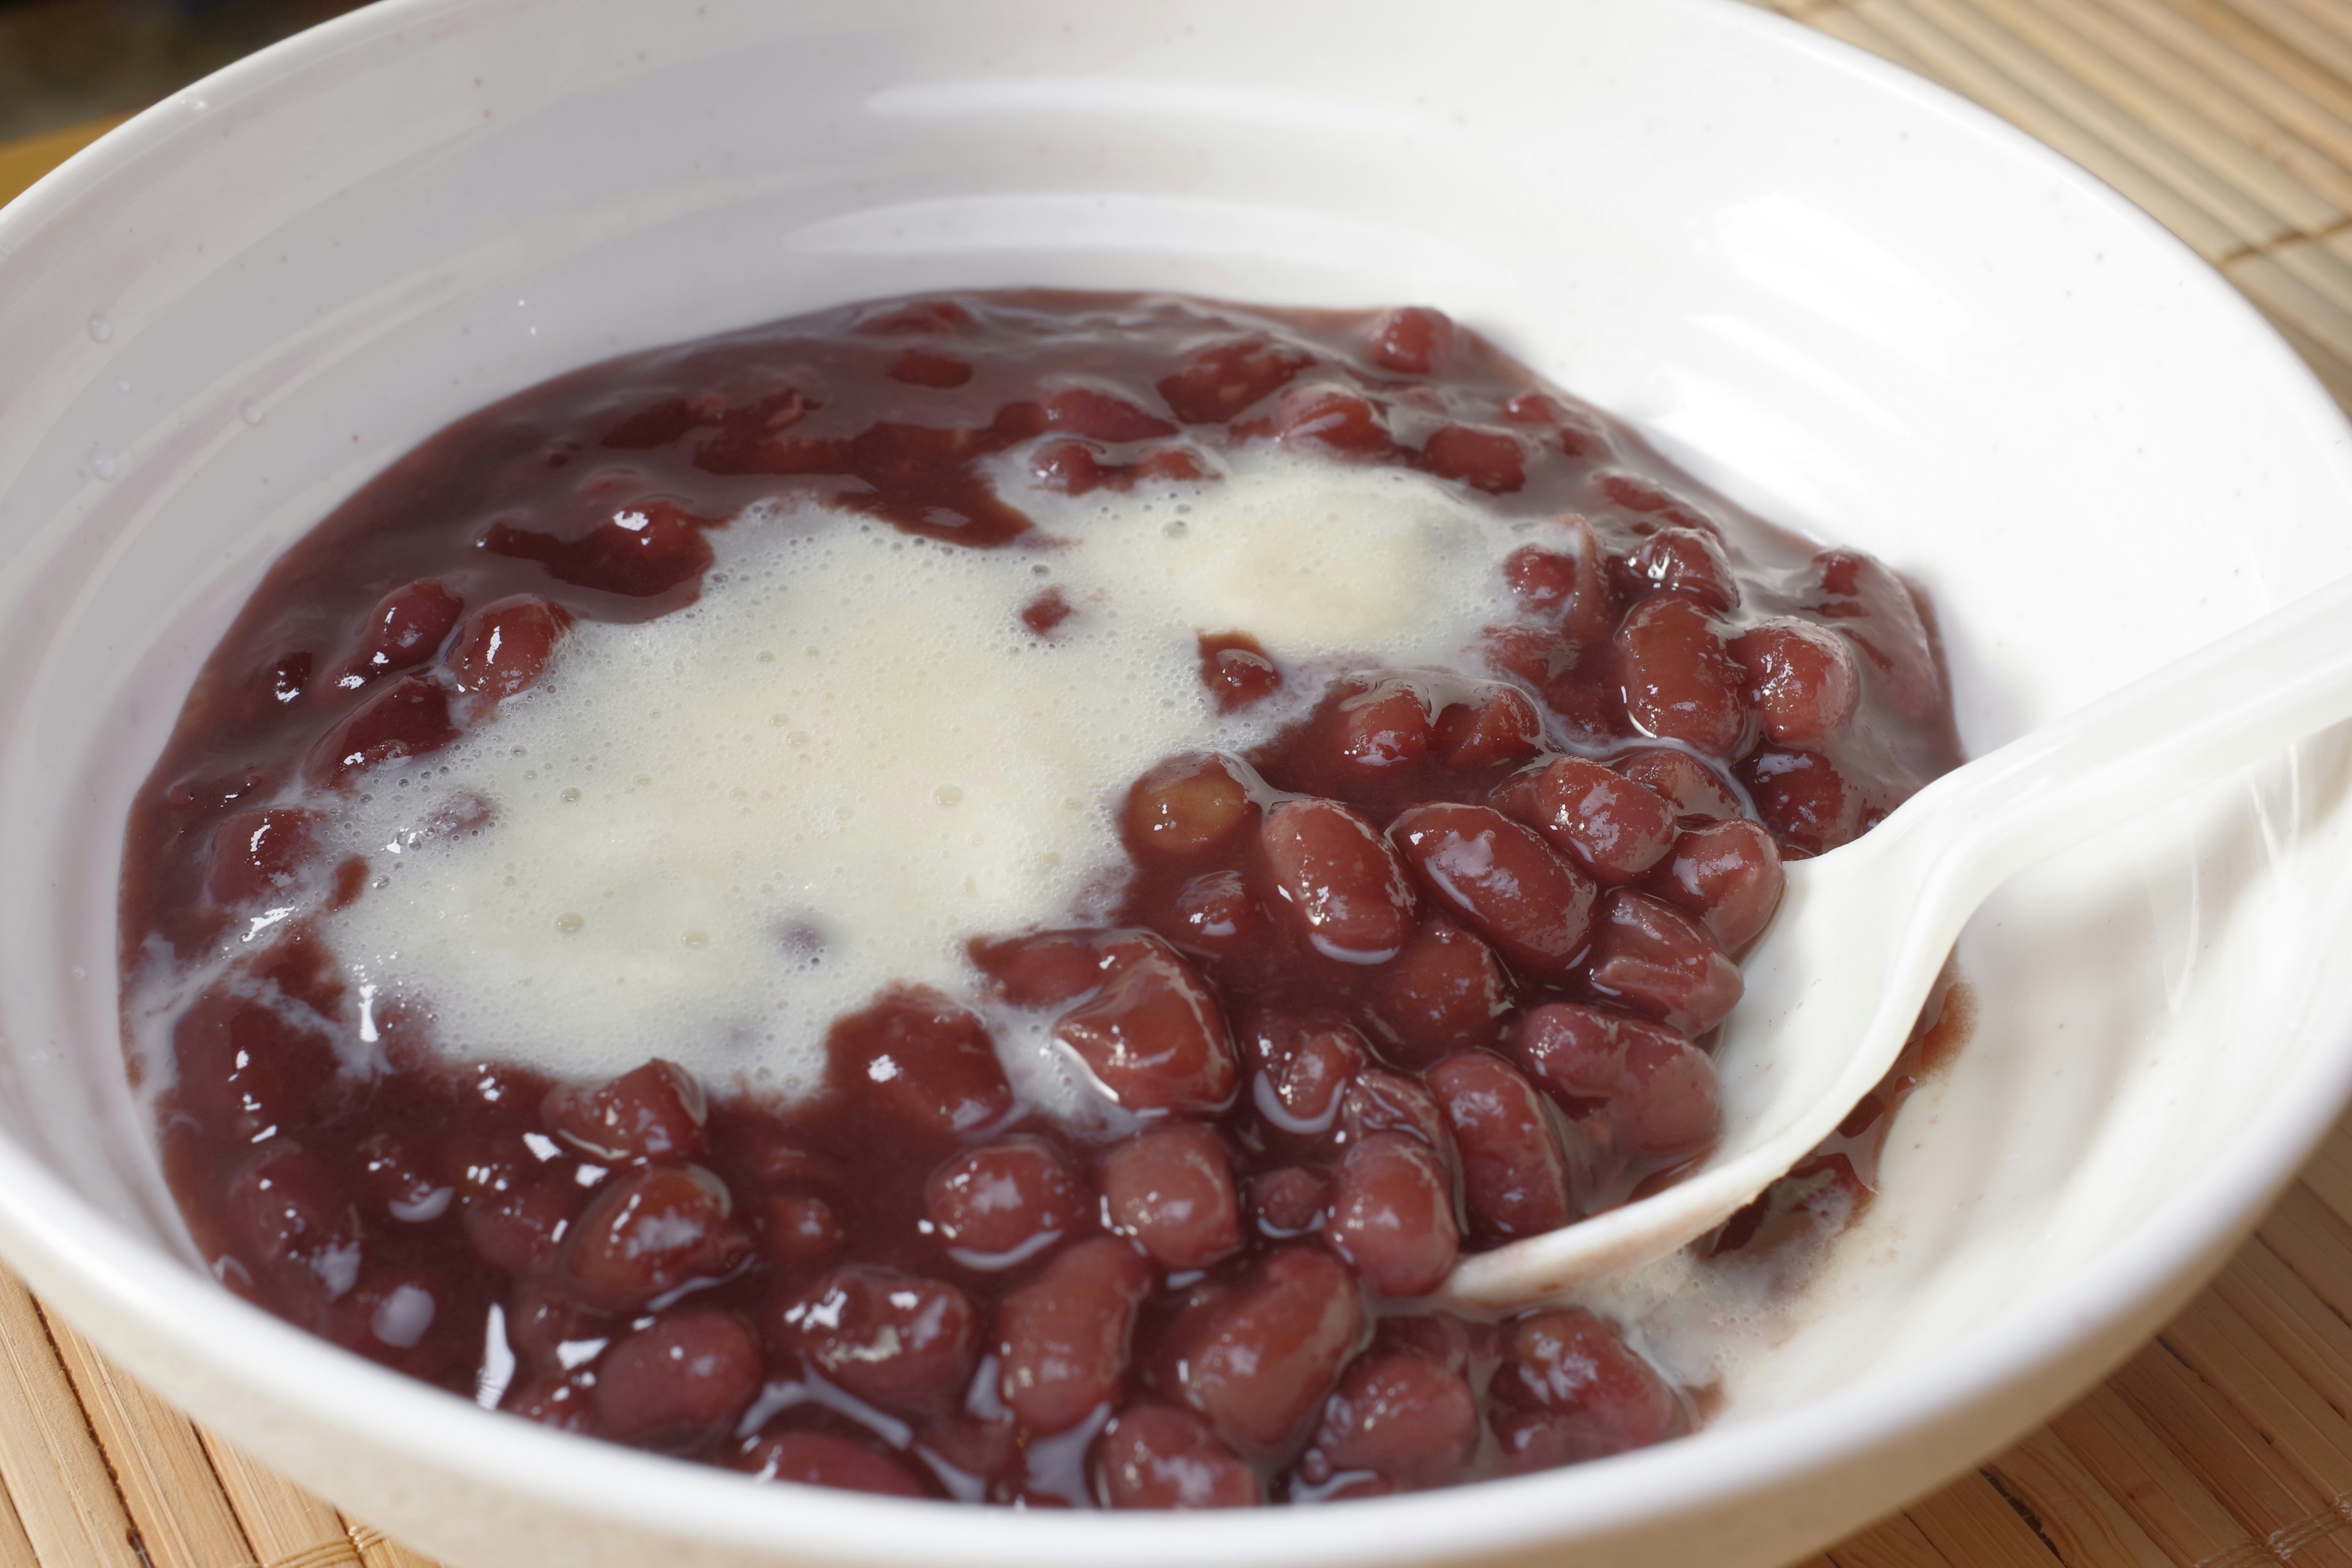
column 718, row 831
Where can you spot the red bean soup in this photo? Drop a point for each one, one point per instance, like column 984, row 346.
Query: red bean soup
column 1256, row 804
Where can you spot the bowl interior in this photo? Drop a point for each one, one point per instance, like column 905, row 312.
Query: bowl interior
column 1842, row 297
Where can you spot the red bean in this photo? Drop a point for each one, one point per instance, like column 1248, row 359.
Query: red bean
column 506, row 646
column 1004, row 1203
column 1412, row 339
column 1598, row 1397
column 1501, row 880
column 921, row 367
column 1327, row 415
column 1044, row 613
column 1650, row 957
column 1153, row 1035
column 407, row 627
column 640, row 550
column 1514, row 1171
column 1218, row 382
column 1499, row 725
column 1087, row 411
column 1871, row 605
column 244, row 1065
column 1063, row 1338
column 391, row 1176
column 1385, row 726
column 1401, row 1418
column 1383, row 1101
column 1544, row 580
column 1050, row 967
column 1155, row 1455
column 822, row 1460
column 1445, row 992
column 1304, row 1069
column 1215, row 913
column 1338, row 879
column 1729, row 876
column 289, row 1214
column 1615, row 828
column 258, row 855
column 1803, row 798
column 653, row 1113
column 514, row 1221
column 1801, row 681
column 1236, row 670
column 1687, row 561
column 924, row 1061
column 1391, row 1215
column 894, row 1340
column 1288, row 1201
column 800, row 1232
column 1190, row 805
column 1172, row 1188
column 1651, row 1090
column 1692, row 787
column 1680, row 681
column 1534, row 655
column 653, row 1230
column 1260, row 1361
column 677, row 1383
column 407, row 718
column 542, row 1318
column 1488, row 461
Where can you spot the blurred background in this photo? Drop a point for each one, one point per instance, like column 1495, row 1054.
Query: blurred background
column 63, row 62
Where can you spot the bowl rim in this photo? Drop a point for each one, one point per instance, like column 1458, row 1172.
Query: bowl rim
column 57, row 1237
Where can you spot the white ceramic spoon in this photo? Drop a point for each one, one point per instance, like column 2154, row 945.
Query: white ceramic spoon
column 1837, row 982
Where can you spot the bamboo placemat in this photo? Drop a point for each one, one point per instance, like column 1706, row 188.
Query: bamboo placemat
column 2226, row 1443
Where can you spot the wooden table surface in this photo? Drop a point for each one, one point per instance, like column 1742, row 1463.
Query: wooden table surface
column 2226, row 1443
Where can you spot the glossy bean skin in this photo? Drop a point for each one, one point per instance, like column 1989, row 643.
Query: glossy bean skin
column 898, row 1341
column 1502, row 880
column 1157, row 1456
column 1391, row 1215
column 1005, row 1202
column 1064, row 1339
column 1258, row 1364
column 928, row 1060
column 1648, row 1094
column 1514, row 1171
column 679, row 1382
column 1445, row 990
column 1405, row 1418
column 1649, row 957
column 1172, row 1189
column 654, row 1230
column 1152, row 1034
column 1615, row 827
column 1729, row 876
column 1578, row 1392
column 1681, row 681
column 1338, row 880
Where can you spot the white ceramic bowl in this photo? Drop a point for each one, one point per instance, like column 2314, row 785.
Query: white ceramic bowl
column 1852, row 300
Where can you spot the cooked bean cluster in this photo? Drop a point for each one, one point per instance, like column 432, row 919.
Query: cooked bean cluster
column 1435, row 968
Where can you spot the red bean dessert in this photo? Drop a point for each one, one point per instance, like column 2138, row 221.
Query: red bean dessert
column 976, row 898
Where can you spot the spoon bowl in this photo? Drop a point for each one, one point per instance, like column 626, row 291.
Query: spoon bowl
column 1835, row 984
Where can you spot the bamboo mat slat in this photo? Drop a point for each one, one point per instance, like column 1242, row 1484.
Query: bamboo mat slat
column 2226, row 1443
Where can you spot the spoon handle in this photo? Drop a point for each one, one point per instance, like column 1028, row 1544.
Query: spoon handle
column 2197, row 720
